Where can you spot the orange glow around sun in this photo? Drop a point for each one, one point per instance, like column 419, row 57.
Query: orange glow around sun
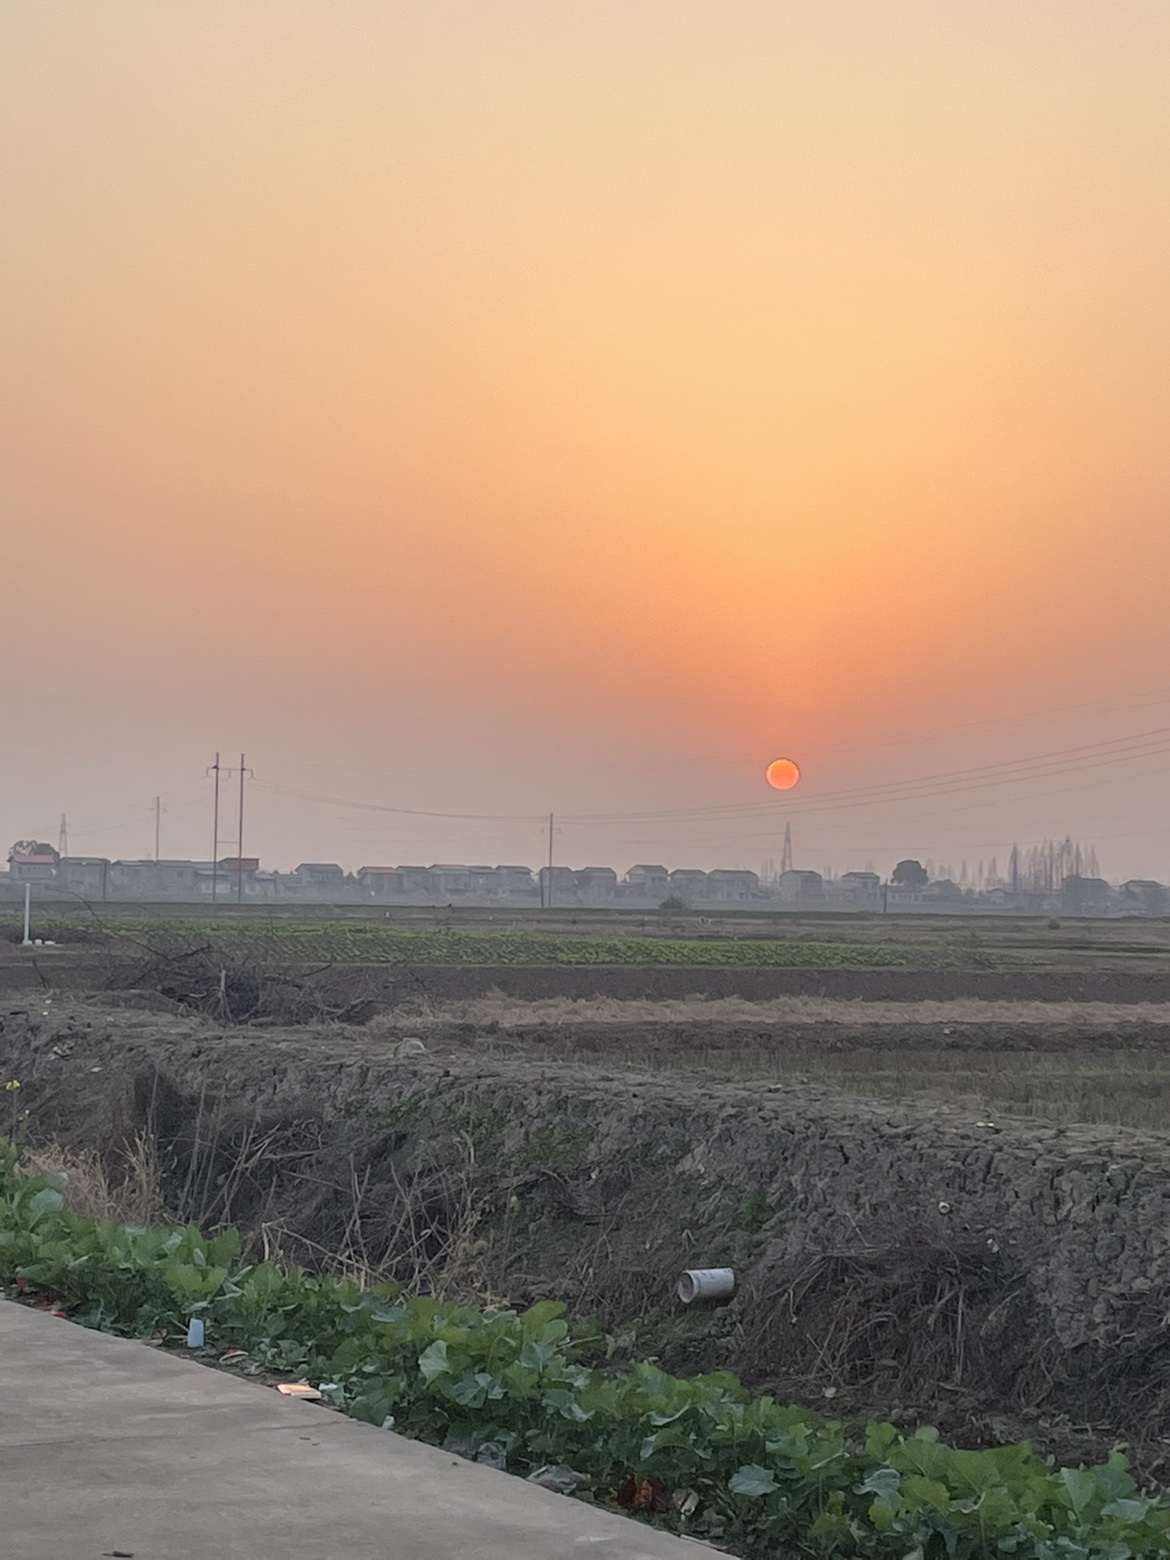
column 782, row 774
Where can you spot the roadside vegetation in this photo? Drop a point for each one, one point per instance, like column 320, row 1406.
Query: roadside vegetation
column 520, row 1391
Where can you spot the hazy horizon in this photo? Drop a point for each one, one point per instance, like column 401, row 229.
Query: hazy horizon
column 493, row 410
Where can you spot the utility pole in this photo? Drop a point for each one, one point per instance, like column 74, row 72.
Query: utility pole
column 157, row 825
column 215, row 831
column 550, row 860
column 240, row 840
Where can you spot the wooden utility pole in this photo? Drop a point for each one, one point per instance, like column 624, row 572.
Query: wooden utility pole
column 215, row 832
column 240, row 840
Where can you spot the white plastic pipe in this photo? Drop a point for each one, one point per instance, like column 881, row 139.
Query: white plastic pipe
column 27, row 943
column 706, row 1284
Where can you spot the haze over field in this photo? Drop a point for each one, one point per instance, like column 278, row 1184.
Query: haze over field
column 495, row 408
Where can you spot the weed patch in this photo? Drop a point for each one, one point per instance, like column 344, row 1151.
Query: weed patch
column 753, row 1213
column 550, row 1147
column 481, row 1124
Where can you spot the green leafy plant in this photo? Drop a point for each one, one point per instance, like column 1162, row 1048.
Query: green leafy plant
column 395, row 1112
column 481, row 1123
column 550, row 1147
column 290, row 942
column 512, row 1389
column 753, row 1213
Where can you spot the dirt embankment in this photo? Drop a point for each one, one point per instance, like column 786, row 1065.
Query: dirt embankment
column 530, row 983
column 994, row 1275
column 740, row 1035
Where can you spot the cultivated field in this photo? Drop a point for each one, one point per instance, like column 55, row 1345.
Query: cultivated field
column 946, row 1208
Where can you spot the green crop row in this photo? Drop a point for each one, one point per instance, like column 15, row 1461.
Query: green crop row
column 512, row 1389
column 376, row 944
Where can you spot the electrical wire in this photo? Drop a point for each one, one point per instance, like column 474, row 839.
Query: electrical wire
column 949, row 782
column 295, row 794
column 1094, row 755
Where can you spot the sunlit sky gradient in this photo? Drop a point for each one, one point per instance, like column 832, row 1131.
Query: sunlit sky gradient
column 571, row 404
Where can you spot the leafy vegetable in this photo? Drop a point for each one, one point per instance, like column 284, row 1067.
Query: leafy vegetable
column 511, row 1390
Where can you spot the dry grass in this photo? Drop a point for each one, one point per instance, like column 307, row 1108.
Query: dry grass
column 1037, row 1071
column 429, row 1243
column 133, row 1198
column 1122, row 1087
column 510, row 1013
column 1117, row 1088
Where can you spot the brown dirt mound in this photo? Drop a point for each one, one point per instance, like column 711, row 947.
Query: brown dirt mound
column 988, row 1276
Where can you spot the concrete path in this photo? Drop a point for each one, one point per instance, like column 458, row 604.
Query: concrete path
column 110, row 1447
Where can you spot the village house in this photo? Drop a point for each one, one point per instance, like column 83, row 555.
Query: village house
column 416, row 882
column 860, row 888
column 800, row 887
column 688, row 884
column 149, row 879
column 380, row 882
column 1142, row 896
column 86, row 876
column 32, row 862
column 596, row 885
column 647, row 882
column 726, row 884
column 558, row 885
column 515, row 882
column 319, row 878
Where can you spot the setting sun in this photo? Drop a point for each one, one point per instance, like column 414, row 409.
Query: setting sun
column 782, row 774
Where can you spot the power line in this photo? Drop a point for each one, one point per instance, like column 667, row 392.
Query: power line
column 763, row 833
column 1118, row 750
column 1090, row 755
column 295, row 794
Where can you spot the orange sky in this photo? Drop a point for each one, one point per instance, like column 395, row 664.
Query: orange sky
column 495, row 408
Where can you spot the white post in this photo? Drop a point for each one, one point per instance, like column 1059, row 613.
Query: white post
column 27, row 943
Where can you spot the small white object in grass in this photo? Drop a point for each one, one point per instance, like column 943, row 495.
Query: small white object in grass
column 705, row 1284
column 558, row 1477
column 411, row 1046
column 195, row 1333
column 944, row 1207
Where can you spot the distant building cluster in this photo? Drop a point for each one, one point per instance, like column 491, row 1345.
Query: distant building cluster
column 95, row 879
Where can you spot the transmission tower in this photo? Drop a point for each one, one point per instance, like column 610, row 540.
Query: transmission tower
column 786, row 853
column 63, row 838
